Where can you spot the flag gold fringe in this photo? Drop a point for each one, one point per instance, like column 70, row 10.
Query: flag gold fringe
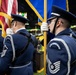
column 8, row 17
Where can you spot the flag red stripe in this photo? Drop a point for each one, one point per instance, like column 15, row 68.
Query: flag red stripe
column 14, row 7
column 5, row 7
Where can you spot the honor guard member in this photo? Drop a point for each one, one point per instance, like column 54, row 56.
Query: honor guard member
column 61, row 50
column 18, row 49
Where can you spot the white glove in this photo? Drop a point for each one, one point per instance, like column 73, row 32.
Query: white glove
column 44, row 27
column 9, row 31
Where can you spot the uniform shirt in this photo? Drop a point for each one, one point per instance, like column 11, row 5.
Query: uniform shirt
column 60, row 54
column 20, row 42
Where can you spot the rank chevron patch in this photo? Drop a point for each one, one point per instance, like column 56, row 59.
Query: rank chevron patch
column 53, row 67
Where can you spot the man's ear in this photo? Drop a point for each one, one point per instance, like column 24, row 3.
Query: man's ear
column 58, row 23
column 15, row 23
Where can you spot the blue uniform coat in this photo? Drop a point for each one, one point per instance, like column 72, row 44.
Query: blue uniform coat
column 1, row 42
column 23, row 64
column 61, row 53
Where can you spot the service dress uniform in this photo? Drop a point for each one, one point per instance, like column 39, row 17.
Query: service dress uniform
column 61, row 50
column 12, row 59
column 60, row 56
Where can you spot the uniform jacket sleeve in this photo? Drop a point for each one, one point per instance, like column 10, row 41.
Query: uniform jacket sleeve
column 58, row 58
column 6, row 56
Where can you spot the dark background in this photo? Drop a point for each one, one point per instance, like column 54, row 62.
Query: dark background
column 24, row 7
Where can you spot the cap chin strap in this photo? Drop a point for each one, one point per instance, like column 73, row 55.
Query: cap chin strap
column 55, row 25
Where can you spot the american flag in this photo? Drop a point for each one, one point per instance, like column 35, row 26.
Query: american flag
column 7, row 8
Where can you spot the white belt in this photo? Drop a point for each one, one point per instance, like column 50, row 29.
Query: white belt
column 21, row 66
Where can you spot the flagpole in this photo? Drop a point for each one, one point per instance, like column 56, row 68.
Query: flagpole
column 67, row 5
column 45, row 35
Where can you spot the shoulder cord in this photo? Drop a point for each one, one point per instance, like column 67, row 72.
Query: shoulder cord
column 73, row 38
column 68, row 52
column 13, row 47
column 24, row 49
column 15, row 56
column 74, row 62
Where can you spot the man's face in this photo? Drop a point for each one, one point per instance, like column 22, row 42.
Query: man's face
column 51, row 24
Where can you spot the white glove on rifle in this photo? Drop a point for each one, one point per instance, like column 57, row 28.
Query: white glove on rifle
column 9, row 31
column 44, row 27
